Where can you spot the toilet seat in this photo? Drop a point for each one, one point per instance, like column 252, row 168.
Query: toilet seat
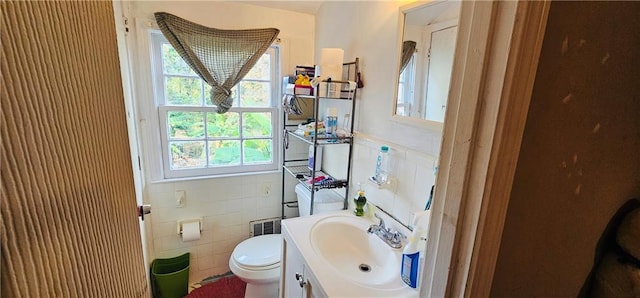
column 259, row 253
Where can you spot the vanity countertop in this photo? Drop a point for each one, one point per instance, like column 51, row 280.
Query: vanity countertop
column 334, row 282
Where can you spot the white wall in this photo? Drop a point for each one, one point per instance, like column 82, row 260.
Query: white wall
column 412, row 32
column 370, row 31
column 225, row 204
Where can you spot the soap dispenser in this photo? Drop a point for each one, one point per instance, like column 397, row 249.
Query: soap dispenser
column 360, row 201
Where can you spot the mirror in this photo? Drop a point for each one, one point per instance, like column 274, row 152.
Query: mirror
column 429, row 32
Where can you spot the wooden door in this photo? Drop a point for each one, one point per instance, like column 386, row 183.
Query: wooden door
column 69, row 220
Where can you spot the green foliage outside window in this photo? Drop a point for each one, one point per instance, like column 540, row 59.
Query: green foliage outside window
column 257, row 151
column 224, row 153
column 172, row 62
column 189, row 131
column 223, row 125
column 186, row 124
column 187, row 155
column 183, row 91
column 257, row 124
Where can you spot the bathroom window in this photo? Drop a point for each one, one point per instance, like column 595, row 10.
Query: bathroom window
column 196, row 140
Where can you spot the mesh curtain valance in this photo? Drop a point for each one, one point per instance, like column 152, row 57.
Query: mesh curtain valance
column 408, row 48
column 220, row 57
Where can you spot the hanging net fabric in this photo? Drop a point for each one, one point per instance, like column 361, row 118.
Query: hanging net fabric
column 408, row 48
column 220, row 57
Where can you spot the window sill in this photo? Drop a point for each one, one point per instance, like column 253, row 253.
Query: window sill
column 208, row 177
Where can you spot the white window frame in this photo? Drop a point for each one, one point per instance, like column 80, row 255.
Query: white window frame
column 156, row 39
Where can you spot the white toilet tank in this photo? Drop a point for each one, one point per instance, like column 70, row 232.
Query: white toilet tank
column 325, row 200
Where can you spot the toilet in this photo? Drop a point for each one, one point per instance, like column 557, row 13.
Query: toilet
column 256, row 260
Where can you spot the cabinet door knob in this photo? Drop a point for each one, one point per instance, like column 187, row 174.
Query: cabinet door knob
column 300, row 279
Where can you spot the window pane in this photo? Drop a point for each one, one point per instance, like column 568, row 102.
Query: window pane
column 183, row 91
column 173, row 63
column 256, row 124
column 255, row 94
column 224, row 153
column 207, row 95
column 257, row 151
column 401, row 93
column 262, row 69
column 223, row 125
column 186, row 125
column 234, row 95
column 187, row 155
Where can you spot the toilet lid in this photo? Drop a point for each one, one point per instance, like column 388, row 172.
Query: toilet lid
column 259, row 251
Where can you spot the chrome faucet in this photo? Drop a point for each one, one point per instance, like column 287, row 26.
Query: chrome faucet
column 393, row 239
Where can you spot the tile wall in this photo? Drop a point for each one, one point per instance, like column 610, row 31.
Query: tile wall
column 226, row 205
column 411, row 171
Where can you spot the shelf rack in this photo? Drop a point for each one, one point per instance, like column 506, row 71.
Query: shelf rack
column 298, row 167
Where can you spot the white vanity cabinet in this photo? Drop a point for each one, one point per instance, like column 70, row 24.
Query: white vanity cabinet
column 332, row 255
column 296, row 279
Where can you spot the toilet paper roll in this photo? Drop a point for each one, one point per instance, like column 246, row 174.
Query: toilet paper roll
column 190, row 231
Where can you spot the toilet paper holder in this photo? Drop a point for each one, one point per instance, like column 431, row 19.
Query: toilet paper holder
column 186, row 221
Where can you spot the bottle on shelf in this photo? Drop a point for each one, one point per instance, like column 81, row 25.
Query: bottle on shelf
column 315, row 161
column 382, row 165
column 331, row 124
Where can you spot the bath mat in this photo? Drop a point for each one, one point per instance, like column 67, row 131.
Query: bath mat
column 227, row 287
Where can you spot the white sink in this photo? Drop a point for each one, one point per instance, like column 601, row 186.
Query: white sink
column 342, row 242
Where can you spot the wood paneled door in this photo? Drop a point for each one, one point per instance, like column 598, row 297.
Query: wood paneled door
column 69, row 219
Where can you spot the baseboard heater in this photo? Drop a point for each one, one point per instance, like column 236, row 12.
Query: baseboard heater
column 265, row 226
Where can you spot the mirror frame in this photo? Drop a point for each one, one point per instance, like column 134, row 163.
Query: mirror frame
column 411, row 121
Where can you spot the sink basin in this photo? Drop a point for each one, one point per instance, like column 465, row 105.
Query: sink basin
column 344, row 244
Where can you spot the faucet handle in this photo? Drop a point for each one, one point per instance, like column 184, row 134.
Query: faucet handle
column 381, row 224
column 397, row 239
